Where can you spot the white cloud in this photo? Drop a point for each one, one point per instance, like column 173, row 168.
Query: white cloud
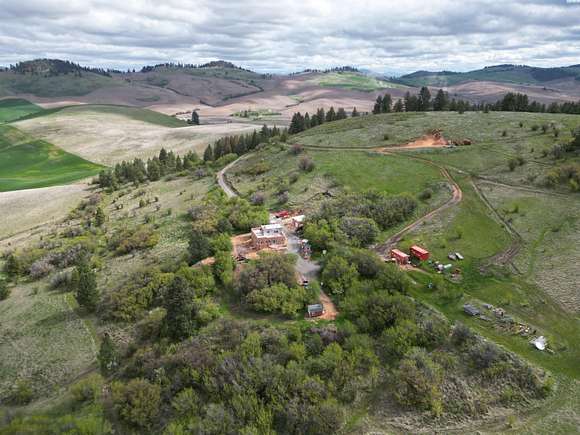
column 285, row 35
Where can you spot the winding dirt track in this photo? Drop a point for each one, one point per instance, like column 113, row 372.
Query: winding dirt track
column 456, row 197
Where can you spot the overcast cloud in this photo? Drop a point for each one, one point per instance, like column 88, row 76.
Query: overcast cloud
column 284, row 35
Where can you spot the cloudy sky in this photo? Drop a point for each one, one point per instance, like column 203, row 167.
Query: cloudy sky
column 288, row 35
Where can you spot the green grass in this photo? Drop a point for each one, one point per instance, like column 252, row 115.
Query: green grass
column 27, row 163
column 352, row 81
column 134, row 113
column 14, row 108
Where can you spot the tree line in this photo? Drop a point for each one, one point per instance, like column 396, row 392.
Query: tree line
column 301, row 122
column 510, row 102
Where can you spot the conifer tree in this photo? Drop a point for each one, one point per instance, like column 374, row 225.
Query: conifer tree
column 85, row 281
column 194, row 118
column 179, row 304
column 208, row 154
column 109, row 356
column 378, row 105
column 99, row 217
column 386, row 103
column 354, row 112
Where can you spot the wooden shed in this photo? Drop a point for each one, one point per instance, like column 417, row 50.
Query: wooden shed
column 315, row 310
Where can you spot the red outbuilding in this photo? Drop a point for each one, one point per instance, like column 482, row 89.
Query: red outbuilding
column 420, row 253
column 399, row 256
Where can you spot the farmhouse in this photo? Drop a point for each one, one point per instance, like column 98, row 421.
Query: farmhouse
column 400, row 257
column 268, row 236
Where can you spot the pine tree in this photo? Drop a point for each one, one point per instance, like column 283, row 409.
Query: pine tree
column 109, row 356
column 386, row 104
column 441, row 101
column 330, row 115
column 378, row 105
column 153, row 170
column 194, row 118
column 179, row 304
column 208, row 154
column 99, row 217
column 424, row 100
column 307, row 123
column 354, row 112
column 398, row 107
column 85, row 281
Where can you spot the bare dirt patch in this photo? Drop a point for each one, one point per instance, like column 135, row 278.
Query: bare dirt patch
column 426, row 141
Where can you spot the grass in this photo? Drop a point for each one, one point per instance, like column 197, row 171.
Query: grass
column 56, row 86
column 14, row 108
column 134, row 113
column 353, row 81
column 354, row 171
column 43, row 340
column 27, row 163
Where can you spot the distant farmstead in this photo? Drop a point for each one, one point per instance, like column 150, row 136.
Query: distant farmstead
column 268, row 236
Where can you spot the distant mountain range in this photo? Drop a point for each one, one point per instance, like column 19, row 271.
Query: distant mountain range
column 515, row 74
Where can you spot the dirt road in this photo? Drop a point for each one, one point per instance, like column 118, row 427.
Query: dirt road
column 228, row 189
column 457, row 195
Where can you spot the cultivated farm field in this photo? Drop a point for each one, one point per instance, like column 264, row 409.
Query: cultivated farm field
column 110, row 134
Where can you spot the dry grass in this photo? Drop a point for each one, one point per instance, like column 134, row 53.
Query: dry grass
column 24, row 210
column 42, row 340
column 109, row 138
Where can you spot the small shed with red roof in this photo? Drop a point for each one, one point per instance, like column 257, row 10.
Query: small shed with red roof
column 399, row 256
column 420, row 253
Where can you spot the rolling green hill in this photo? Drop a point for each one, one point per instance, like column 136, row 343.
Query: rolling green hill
column 353, row 81
column 500, row 73
column 14, row 108
column 27, row 163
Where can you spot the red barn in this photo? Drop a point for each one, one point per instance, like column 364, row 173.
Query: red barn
column 420, row 253
column 399, row 256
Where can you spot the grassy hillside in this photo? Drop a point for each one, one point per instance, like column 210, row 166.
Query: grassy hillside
column 500, row 73
column 14, row 108
column 134, row 113
column 63, row 85
column 26, row 162
column 352, row 81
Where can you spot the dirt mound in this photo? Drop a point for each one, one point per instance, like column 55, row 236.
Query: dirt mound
column 432, row 140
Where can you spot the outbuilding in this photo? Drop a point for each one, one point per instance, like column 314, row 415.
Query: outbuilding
column 399, row 256
column 471, row 310
column 420, row 253
column 315, row 310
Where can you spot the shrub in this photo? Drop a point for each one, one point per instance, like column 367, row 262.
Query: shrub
column 138, row 402
column 484, row 355
column 426, row 194
column 296, row 149
column 283, row 197
column 278, row 298
column 128, row 240
column 512, row 164
column 257, row 198
column 306, row 164
column 87, row 390
column 22, row 393
column 504, row 133
column 535, row 127
column 4, row 290
column 461, row 335
column 61, row 280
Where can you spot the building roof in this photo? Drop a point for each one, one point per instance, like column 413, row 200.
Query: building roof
column 399, row 253
column 315, row 308
column 268, row 230
column 470, row 309
column 299, row 218
column 419, row 249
